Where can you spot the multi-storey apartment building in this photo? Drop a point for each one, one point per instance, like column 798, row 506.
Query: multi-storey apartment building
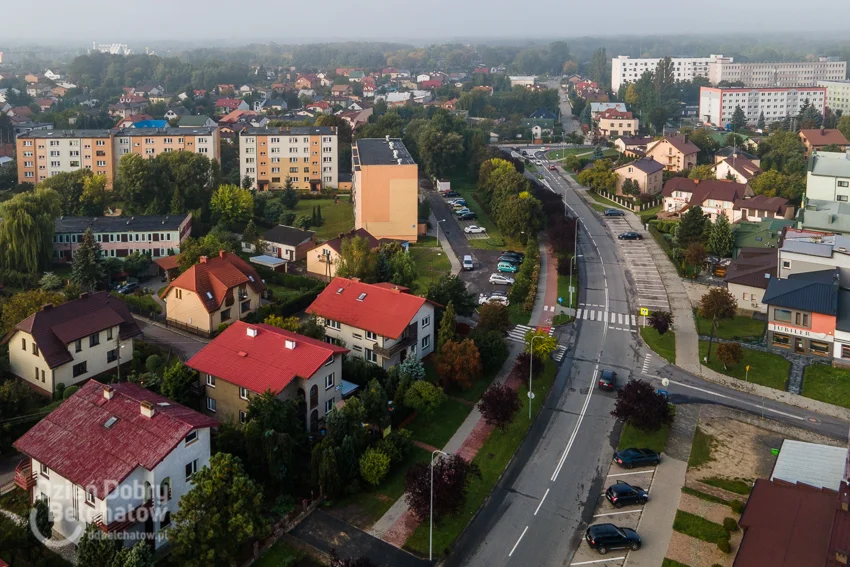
column 837, row 94
column 307, row 156
column 781, row 74
column 717, row 105
column 624, row 69
column 44, row 153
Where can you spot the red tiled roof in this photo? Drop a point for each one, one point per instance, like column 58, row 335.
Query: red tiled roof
column 762, row 203
column 386, row 312
column 824, row 137
column 719, row 189
column 839, row 539
column 262, row 362
column 614, row 114
column 168, row 262
column 211, row 278
column 231, row 103
column 73, row 441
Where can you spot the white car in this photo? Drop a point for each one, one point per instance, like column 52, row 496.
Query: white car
column 493, row 298
column 499, row 279
column 538, row 162
column 474, row 229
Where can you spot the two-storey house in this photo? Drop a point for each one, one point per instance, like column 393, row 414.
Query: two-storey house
column 216, row 290
column 736, row 168
column 817, row 139
column 71, row 342
column 676, row 153
column 117, row 456
column 381, row 323
column 323, row 259
column 715, row 196
column 647, row 172
column 802, row 312
column 246, row 360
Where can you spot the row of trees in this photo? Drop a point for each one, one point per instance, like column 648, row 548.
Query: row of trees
column 508, row 197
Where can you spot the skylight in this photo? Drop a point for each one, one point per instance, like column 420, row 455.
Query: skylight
column 361, row 297
column 251, row 278
column 110, row 422
column 338, row 291
column 209, row 295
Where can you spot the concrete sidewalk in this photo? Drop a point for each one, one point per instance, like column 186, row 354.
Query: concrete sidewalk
column 444, row 244
column 659, row 513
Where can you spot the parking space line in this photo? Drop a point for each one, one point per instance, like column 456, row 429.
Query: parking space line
column 639, row 510
column 628, row 473
column 598, row 561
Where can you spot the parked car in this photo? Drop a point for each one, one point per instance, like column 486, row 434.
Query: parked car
column 467, row 216
column 630, row 458
column 507, row 267
column 519, row 255
column 459, row 205
column 621, row 493
column 128, row 287
column 493, row 298
column 451, row 194
column 613, row 213
column 603, row 537
column 629, row 236
column 474, row 229
column 462, row 211
column 467, row 263
column 608, row 380
column 499, row 279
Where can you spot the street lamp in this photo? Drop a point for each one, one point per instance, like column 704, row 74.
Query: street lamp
column 438, row 229
column 431, row 529
column 575, row 251
column 531, row 372
column 118, row 347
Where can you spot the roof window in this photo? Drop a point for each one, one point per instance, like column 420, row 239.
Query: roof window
column 110, row 422
column 361, row 297
column 209, row 295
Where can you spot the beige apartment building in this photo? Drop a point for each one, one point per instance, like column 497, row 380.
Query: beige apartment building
column 837, row 94
column 72, row 342
column 216, row 290
column 308, row 156
column 44, row 153
column 384, row 189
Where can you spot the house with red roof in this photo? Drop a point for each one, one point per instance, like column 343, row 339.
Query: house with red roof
column 216, row 290
column 117, row 456
column 307, row 81
column 71, row 342
column 246, row 360
column 381, row 323
column 228, row 104
column 323, row 259
column 714, row 196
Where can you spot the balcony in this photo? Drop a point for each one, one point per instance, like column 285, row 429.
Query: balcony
column 138, row 514
column 412, row 336
column 24, row 475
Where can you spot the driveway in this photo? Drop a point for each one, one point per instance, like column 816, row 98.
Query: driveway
column 183, row 344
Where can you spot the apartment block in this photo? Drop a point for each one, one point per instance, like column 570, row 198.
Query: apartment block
column 624, row 69
column 717, row 105
column 308, row 156
column 44, row 153
column 384, row 189
column 781, row 74
column 837, row 94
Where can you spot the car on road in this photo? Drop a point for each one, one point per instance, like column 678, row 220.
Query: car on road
column 552, row 168
column 629, row 236
column 507, row 267
column 449, row 194
column 608, row 380
column 630, row 458
column 499, row 279
column 467, row 262
column 128, row 287
column 603, row 537
column 538, row 162
column 467, row 216
column 474, row 229
column 621, row 493
column 613, row 213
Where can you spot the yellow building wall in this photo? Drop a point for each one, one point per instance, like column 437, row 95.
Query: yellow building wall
column 386, row 201
column 320, row 268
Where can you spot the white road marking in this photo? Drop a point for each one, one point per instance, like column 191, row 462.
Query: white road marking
column 563, row 458
column 618, row 513
column 517, row 541
column 598, row 561
column 541, row 501
column 630, row 473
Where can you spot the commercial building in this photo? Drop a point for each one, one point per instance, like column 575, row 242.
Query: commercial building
column 837, row 94
column 780, row 74
column 307, row 156
column 384, row 189
column 624, row 69
column 828, row 177
column 827, row 216
column 157, row 235
column 717, row 105
column 44, row 153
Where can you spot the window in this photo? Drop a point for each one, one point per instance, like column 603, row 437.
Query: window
column 23, row 344
column 842, row 198
column 819, row 347
column 94, row 339
column 330, row 380
column 370, row 356
column 211, row 404
column 329, row 406
column 89, row 498
column 210, row 380
column 243, row 417
column 782, row 315
column 330, row 323
column 192, row 437
column 191, row 468
column 371, row 336
column 45, row 471
column 243, row 393
column 80, row 369
column 426, row 321
column 426, row 341
column 225, row 315
column 786, row 264
column 109, row 334
column 844, row 183
column 112, row 356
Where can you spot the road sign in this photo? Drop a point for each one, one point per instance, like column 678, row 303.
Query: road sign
column 561, row 300
column 531, row 395
column 665, row 382
column 644, row 311
column 748, row 368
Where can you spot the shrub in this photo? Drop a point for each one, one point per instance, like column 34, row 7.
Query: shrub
column 374, row 466
column 730, row 525
column 154, row 363
column 70, row 391
column 396, row 445
column 724, row 545
column 424, row 397
column 522, row 364
column 737, row 506
column 58, row 391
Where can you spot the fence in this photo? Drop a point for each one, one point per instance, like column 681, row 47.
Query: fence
column 631, row 204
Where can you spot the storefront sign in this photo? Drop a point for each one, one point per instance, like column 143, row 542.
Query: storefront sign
column 776, row 328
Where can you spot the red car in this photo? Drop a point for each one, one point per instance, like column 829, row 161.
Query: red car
column 552, row 168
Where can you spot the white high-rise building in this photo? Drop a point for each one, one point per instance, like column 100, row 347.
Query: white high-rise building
column 782, row 74
column 717, row 105
column 837, row 95
column 624, row 69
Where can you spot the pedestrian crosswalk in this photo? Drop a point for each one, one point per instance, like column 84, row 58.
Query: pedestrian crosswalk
column 518, row 332
column 616, row 320
column 559, row 353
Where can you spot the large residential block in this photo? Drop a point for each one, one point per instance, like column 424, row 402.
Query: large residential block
column 828, row 176
column 717, row 105
column 624, row 69
column 837, row 94
column 306, row 156
column 384, row 189
column 157, row 235
column 779, row 74
column 44, row 153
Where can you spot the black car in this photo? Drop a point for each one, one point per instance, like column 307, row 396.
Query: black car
column 467, row 216
column 622, row 493
column 513, row 257
column 630, row 458
column 450, row 194
column 629, row 236
column 603, row 537
column 608, row 380
column 613, row 213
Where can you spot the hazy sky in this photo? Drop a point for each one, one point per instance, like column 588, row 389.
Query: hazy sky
column 292, row 21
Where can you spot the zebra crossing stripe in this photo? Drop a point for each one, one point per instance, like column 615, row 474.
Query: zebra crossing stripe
column 634, row 321
column 578, row 313
column 593, row 315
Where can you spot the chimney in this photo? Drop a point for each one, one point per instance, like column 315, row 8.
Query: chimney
column 696, row 181
column 47, row 307
column 84, row 295
column 686, row 138
column 108, row 392
column 203, row 259
column 147, row 409
column 290, row 345
column 221, row 253
column 251, row 331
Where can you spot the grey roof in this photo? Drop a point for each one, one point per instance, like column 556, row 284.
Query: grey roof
column 65, row 134
column 298, row 131
column 543, row 113
column 123, row 132
column 119, row 224
column 811, row 291
column 189, row 120
column 646, row 165
column 809, row 248
column 728, row 151
column 830, row 164
column 142, row 132
column 282, row 234
column 829, row 216
column 376, row 151
column 817, row 465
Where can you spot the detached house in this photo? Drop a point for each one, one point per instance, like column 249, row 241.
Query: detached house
column 71, row 342
column 323, row 259
column 646, row 171
column 246, row 360
column 117, row 456
column 675, row 153
column 738, row 168
column 613, row 123
column 288, row 242
column 714, row 196
column 381, row 323
column 817, row 139
column 225, row 105
column 216, row 290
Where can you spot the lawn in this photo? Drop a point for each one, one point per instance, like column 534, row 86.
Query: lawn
column 16, row 501
column 606, row 204
column 827, row 384
column 700, row 449
column 517, row 315
column 478, row 387
column 738, row 486
column 738, row 328
column 431, row 263
column 649, row 213
column 698, row 527
column 671, row 563
column 564, row 283
column 634, row 437
column 493, row 457
column 704, row 496
column 436, row 429
column 664, row 345
column 766, row 368
column 338, row 218
column 562, row 154
column 284, row 554
column 467, row 188
column 426, row 241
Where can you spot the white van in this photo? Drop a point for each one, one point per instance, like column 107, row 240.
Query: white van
column 467, row 262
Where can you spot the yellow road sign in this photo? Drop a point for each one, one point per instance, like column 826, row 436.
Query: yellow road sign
column 644, row 311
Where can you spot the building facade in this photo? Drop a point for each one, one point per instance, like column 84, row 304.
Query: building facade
column 781, row 74
column 717, row 105
column 648, row 173
column 675, row 153
column 837, row 94
column 802, row 312
column 828, row 177
column 624, row 69
column 306, row 156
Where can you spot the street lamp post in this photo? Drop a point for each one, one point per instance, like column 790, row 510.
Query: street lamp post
column 575, row 251
column 438, row 229
column 431, row 509
column 118, row 347
column 531, row 372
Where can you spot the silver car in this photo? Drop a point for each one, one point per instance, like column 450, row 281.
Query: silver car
column 499, row 279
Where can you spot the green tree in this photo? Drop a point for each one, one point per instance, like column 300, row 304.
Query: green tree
column 210, row 245
column 424, row 397
column 760, row 123
column 720, row 239
column 22, row 305
column 251, row 235
column 325, row 469
column 286, row 323
column 86, row 269
column 232, row 205
column 717, row 304
column 402, row 269
column 809, row 117
column 43, row 523
column 544, row 345
column 136, row 184
column 494, row 317
column 439, row 151
column 357, row 260
column 177, row 381
column 782, row 150
column 844, row 125
column 450, row 288
column 701, row 172
column 599, row 69
column 374, row 466
column 96, row 549
column 695, row 255
column 50, row 282
column 137, row 263
column 521, row 216
column 691, row 227
column 773, row 183
column 217, row 516
column 94, row 197
column 26, row 233
column 730, row 354
column 374, row 400
column 448, row 327
column 739, row 119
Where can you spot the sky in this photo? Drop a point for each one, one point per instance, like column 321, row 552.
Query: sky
column 288, row 21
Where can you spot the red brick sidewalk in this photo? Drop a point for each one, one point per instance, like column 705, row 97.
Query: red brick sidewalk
column 550, row 296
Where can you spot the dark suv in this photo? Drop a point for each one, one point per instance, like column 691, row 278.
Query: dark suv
column 632, row 457
column 603, row 537
column 614, row 213
column 608, row 380
column 622, row 494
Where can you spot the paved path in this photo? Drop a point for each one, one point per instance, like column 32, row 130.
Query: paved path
column 185, row 345
column 444, row 243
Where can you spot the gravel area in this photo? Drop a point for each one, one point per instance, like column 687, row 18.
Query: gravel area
column 711, row 511
column 697, row 553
